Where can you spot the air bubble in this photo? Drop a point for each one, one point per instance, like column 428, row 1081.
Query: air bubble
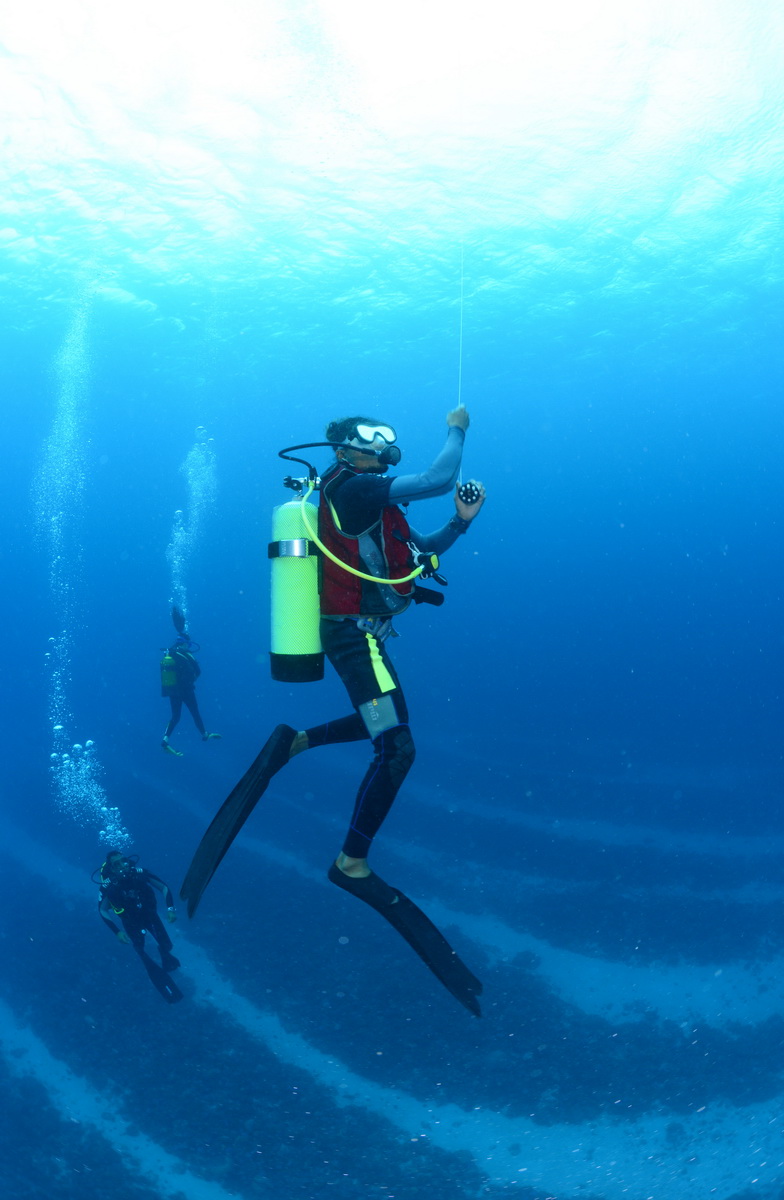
column 59, row 490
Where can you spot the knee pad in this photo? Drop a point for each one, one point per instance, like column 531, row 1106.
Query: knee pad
column 379, row 716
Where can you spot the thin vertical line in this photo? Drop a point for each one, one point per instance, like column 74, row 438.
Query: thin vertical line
column 460, row 350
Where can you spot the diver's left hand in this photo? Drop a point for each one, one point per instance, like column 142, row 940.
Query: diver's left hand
column 171, row 915
column 469, row 511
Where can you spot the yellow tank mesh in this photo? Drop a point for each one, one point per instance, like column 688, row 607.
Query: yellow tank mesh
column 294, row 600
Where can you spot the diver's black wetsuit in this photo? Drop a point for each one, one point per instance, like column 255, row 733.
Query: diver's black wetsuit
column 183, row 691
column 132, row 899
column 361, row 659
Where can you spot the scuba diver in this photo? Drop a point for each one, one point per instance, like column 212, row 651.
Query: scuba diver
column 127, row 892
column 364, row 537
column 179, row 672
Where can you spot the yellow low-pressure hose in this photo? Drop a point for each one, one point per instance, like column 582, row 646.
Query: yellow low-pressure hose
column 339, row 562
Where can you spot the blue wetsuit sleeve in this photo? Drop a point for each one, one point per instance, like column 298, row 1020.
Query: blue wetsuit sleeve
column 438, row 479
column 103, row 904
column 437, row 542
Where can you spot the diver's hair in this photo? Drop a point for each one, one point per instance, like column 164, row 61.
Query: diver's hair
column 113, row 854
column 344, row 429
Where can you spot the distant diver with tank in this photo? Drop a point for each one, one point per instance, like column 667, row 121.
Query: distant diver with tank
column 179, row 672
column 128, row 891
column 369, row 561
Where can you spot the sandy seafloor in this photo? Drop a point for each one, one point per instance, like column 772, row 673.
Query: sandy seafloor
column 630, row 1042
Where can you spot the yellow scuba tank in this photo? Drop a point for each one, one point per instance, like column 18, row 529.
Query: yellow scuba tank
column 168, row 671
column 296, row 655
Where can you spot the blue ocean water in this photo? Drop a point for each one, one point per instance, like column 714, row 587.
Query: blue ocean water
column 222, row 227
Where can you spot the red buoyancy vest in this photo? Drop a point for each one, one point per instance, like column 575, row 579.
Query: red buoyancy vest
column 344, row 594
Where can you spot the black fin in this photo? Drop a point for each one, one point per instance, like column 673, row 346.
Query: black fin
column 233, row 814
column 160, row 980
column 418, row 930
column 178, row 619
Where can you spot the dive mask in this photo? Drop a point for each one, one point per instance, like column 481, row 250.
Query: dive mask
column 378, row 440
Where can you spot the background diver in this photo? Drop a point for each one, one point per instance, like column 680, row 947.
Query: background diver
column 128, row 892
column 360, row 522
column 179, row 672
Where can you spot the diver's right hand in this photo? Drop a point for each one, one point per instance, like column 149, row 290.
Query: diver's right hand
column 459, row 417
column 122, row 936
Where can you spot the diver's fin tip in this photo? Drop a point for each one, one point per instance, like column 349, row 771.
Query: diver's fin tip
column 234, row 812
column 418, row 930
